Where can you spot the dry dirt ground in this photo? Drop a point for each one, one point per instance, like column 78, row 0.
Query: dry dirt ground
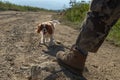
column 20, row 52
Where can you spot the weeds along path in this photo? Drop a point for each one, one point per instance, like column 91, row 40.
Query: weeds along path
column 20, row 51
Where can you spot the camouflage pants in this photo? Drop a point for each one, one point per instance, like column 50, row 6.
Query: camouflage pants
column 103, row 14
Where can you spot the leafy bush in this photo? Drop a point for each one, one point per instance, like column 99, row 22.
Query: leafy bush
column 77, row 13
column 114, row 35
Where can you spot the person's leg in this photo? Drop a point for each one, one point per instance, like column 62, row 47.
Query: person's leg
column 102, row 15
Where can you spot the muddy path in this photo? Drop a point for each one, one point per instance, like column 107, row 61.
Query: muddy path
column 20, row 51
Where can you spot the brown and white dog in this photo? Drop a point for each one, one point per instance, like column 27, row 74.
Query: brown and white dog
column 46, row 29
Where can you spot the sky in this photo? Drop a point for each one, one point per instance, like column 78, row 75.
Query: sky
column 48, row 4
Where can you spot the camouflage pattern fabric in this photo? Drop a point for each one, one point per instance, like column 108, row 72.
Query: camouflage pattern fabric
column 103, row 14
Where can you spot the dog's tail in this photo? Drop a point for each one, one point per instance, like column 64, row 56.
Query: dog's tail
column 55, row 22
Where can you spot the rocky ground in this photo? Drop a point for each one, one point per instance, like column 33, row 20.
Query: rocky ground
column 20, row 52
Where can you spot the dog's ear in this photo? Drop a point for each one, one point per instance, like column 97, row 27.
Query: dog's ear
column 39, row 28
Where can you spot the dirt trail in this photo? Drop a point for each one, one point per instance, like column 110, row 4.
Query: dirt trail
column 19, row 51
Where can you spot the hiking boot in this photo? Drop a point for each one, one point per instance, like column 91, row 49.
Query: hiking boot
column 73, row 61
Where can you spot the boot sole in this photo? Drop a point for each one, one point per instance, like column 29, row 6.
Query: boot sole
column 71, row 69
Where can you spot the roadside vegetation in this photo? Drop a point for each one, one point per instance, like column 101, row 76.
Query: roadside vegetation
column 77, row 13
column 75, row 16
column 114, row 35
column 5, row 6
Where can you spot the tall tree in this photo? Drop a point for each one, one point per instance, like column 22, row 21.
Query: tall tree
column 72, row 2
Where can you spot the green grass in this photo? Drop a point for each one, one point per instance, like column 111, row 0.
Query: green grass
column 77, row 13
column 114, row 35
column 74, row 16
column 5, row 6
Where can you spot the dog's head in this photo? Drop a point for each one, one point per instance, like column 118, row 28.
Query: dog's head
column 45, row 28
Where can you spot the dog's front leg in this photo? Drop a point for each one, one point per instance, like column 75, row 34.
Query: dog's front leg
column 51, row 41
column 42, row 39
